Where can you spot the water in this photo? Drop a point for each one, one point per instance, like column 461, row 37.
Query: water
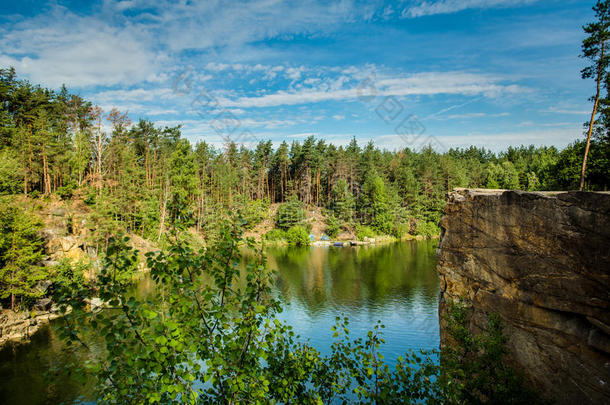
column 394, row 283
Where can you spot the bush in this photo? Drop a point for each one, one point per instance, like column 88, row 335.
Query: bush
column 90, row 199
column 275, row 235
column 255, row 212
column 66, row 191
column 298, row 236
column 332, row 226
column 427, row 229
column 401, row 229
column 69, row 271
column 363, row 231
column 289, row 214
column 474, row 366
column 11, row 174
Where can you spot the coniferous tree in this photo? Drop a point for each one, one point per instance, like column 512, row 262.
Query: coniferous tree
column 20, row 254
column 594, row 49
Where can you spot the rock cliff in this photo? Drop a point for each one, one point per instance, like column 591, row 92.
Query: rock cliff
column 542, row 262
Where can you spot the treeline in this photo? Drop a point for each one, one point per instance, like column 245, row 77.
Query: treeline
column 142, row 177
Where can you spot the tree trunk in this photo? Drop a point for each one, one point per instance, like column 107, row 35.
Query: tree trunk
column 598, row 80
column 163, row 209
column 45, row 170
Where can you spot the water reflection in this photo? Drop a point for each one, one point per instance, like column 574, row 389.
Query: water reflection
column 395, row 283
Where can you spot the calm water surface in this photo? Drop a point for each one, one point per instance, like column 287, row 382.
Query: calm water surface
column 395, row 283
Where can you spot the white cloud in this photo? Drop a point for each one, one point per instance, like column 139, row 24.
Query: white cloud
column 78, row 51
column 424, row 8
column 559, row 137
column 133, row 41
column 135, row 94
column 471, row 115
column 430, row 83
column 210, row 24
column 555, row 110
column 338, row 117
column 161, row 112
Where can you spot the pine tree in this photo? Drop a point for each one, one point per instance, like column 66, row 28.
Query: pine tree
column 594, row 49
column 20, row 254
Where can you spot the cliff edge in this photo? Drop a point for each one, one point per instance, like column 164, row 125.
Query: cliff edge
column 542, row 262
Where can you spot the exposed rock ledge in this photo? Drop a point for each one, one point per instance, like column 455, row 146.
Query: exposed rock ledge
column 15, row 326
column 542, row 262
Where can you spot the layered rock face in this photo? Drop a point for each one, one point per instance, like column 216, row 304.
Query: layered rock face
column 542, row 262
column 22, row 325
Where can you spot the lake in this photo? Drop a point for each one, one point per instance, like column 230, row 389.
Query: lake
column 395, row 283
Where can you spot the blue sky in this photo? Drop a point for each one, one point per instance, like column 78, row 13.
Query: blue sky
column 491, row 73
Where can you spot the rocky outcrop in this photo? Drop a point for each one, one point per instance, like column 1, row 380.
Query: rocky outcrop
column 542, row 262
column 21, row 325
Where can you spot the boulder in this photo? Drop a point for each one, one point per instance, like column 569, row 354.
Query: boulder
column 43, row 304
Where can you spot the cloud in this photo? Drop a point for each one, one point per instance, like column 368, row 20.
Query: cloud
column 555, row 110
column 135, row 94
column 425, row 8
column 212, row 24
column 77, row 50
column 559, row 137
column 471, row 115
column 128, row 42
column 429, row 83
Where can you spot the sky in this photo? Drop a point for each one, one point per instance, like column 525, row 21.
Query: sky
column 449, row 73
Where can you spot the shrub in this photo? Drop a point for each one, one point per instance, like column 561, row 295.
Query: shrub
column 275, row 235
column 70, row 271
column 332, row 226
column 427, row 229
column 400, row 230
column 255, row 212
column 298, row 236
column 289, row 214
column 66, row 191
column 90, row 199
column 363, row 231
column 473, row 367
column 11, row 174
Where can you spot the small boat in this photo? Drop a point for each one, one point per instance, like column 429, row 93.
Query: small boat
column 339, row 244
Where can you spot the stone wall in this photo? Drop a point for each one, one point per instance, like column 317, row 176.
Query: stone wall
column 542, row 262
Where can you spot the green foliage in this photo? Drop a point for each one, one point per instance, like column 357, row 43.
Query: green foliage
column 333, row 226
column 363, row 231
column 256, row 211
column 70, row 272
column 298, row 236
column 213, row 337
column 289, row 214
column 502, row 175
column 427, row 229
column 342, row 202
column 374, row 204
column 11, row 173
column 66, row 192
column 21, row 250
column 400, row 230
column 473, row 369
column 275, row 235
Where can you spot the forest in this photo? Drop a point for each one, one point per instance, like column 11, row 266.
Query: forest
column 142, row 179
column 138, row 176
column 211, row 332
